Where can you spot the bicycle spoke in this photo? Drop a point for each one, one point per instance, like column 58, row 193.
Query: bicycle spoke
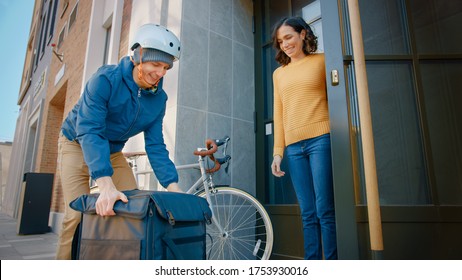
column 226, row 209
column 247, row 248
column 252, row 216
column 251, row 223
column 245, row 223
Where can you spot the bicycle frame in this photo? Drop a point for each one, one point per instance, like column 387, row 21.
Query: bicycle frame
column 199, row 185
column 205, row 182
column 196, row 187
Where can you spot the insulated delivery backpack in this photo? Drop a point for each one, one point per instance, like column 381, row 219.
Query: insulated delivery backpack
column 153, row 225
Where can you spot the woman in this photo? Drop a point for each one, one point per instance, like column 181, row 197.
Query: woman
column 118, row 102
column 301, row 129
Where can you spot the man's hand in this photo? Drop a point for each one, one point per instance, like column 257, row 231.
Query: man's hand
column 107, row 197
column 173, row 187
column 276, row 166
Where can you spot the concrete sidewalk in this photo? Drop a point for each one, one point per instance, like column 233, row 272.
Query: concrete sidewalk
column 24, row 247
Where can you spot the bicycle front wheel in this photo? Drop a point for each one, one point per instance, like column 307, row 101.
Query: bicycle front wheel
column 247, row 233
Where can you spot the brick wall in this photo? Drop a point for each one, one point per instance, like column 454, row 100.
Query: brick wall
column 124, row 36
column 62, row 97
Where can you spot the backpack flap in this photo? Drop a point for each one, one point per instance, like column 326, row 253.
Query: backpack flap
column 136, row 207
column 181, row 207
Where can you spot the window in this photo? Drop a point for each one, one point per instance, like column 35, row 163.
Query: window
column 64, row 9
column 437, row 26
column 384, row 28
column 45, row 28
column 53, row 18
column 73, row 16
column 413, row 58
column 107, row 44
column 399, row 151
column 38, row 51
column 311, row 13
column 29, row 63
column 61, row 36
column 442, row 95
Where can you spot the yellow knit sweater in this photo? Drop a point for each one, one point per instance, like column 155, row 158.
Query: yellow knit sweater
column 300, row 102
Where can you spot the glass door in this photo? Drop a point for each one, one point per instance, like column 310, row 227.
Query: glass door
column 277, row 193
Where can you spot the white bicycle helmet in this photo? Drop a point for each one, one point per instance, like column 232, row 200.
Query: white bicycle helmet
column 155, row 36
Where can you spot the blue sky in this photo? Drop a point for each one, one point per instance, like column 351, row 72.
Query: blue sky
column 15, row 21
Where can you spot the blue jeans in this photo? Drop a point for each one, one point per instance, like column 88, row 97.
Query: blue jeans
column 310, row 167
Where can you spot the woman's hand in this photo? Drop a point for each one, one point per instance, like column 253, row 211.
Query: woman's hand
column 276, row 166
column 107, row 197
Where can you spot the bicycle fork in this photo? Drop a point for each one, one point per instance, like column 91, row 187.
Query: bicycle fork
column 208, row 184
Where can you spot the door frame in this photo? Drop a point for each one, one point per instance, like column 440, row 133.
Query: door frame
column 344, row 193
column 342, row 161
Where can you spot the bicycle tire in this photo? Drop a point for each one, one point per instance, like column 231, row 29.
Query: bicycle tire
column 248, row 229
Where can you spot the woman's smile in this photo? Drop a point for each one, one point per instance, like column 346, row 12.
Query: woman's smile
column 291, row 42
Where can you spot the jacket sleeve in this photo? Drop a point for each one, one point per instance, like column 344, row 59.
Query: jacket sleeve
column 158, row 154
column 91, row 126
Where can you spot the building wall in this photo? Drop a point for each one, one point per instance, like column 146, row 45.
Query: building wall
column 216, row 93
column 31, row 97
column 5, row 155
column 125, row 29
column 64, row 88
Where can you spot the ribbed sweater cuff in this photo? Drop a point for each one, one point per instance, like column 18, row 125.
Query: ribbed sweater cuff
column 278, row 151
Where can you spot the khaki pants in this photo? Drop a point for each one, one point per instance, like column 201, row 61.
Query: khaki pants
column 75, row 181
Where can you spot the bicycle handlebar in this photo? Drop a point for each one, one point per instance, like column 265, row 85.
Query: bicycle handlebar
column 211, row 148
column 133, row 154
column 222, row 141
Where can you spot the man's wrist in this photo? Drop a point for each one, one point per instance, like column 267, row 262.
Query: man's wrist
column 105, row 183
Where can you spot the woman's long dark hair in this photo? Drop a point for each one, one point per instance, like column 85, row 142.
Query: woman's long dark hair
column 310, row 43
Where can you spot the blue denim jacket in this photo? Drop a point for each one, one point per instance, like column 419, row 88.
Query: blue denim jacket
column 112, row 109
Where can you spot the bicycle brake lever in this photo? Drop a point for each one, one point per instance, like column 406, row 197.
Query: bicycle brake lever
column 226, row 168
column 224, row 160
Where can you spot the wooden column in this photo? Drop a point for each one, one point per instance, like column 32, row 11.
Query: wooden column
column 367, row 137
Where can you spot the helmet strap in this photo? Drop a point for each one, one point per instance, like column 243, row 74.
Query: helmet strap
column 141, row 79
